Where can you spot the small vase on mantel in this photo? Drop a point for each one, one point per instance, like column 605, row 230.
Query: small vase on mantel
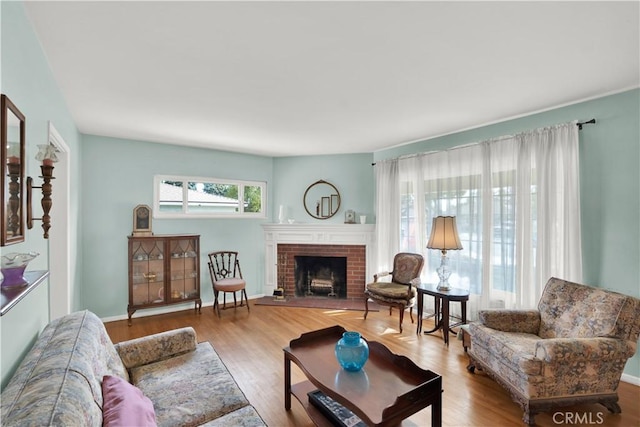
column 352, row 351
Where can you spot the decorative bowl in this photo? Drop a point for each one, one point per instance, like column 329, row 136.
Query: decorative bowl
column 13, row 265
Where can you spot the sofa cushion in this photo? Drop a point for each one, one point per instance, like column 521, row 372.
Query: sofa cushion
column 189, row 389
column 125, row 405
column 573, row 310
column 514, row 348
column 153, row 348
column 525, row 321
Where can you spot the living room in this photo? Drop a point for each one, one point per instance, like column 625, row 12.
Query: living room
column 109, row 176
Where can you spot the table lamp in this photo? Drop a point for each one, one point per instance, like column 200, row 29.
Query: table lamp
column 444, row 236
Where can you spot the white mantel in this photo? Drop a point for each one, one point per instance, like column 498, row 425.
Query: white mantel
column 313, row 234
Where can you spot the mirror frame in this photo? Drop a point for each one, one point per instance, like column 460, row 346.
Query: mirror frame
column 11, row 184
column 328, row 205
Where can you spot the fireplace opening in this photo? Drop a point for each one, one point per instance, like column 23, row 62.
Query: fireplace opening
column 320, row 276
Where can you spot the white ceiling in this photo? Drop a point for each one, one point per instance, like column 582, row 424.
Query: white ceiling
column 306, row 78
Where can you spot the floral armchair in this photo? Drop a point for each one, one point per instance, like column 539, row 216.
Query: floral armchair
column 571, row 350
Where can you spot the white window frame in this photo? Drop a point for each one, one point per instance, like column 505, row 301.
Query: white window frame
column 185, row 213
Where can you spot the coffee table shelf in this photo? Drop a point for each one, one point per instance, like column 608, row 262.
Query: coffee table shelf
column 300, row 391
column 387, row 390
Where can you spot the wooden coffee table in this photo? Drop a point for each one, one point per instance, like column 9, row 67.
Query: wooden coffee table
column 387, row 390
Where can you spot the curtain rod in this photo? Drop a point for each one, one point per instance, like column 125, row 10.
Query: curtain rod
column 588, row 122
column 579, row 124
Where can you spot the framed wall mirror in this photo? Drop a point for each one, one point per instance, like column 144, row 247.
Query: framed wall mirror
column 321, row 200
column 12, row 139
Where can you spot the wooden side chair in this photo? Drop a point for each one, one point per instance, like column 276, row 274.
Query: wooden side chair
column 400, row 292
column 226, row 276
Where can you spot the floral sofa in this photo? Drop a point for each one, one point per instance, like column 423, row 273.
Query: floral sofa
column 571, row 350
column 63, row 380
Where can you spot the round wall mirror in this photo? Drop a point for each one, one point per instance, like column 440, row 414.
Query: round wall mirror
column 321, row 200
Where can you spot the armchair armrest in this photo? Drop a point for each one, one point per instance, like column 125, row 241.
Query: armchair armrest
column 526, row 321
column 381, row 274
column 562, row 349
column 153, row 348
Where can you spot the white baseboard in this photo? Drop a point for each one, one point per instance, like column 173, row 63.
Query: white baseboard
column 164, row 310
column 630, row 379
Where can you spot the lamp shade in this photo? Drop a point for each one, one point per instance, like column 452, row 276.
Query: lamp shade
column 444, row 234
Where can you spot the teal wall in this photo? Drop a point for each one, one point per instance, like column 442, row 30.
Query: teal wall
column 28, row 82
column 351, row 174
column 609, row 184
column 121, row 177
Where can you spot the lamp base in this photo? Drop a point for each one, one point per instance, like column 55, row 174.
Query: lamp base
column 443, row 286
column 444, row 272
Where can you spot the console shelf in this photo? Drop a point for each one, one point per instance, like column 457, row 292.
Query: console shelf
column 11, row 296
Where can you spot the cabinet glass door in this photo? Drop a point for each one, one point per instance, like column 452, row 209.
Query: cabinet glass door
column 184, row 269
column 148, row 272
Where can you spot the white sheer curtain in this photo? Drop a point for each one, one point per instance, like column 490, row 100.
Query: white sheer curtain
column 387, row 214
column 517, row 204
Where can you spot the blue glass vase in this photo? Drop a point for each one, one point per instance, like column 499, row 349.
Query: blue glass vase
column 352, row 351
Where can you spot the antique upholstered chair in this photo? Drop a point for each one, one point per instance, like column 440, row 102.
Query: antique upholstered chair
column 226, row 276
column 400, row 292
column 571, row 350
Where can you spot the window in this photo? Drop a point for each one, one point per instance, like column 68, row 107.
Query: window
column 461, row 196
column 179, row 197
column 516, row 199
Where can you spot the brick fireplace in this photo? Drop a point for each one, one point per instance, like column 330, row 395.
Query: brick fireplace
column 355, row 273
column 286, row 241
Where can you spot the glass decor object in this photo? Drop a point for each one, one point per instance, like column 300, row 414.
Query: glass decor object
column 352, row 351
column 13, row 266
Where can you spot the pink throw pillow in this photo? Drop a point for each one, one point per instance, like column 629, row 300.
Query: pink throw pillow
column 125, row 405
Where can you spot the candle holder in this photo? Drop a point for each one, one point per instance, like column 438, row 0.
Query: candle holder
column 47, row 155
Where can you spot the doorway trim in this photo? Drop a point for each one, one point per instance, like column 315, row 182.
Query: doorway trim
column 59, row 247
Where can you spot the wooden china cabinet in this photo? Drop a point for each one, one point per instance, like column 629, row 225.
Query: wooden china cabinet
column 163, row 270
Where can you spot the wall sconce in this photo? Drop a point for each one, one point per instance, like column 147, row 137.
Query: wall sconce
column 47, row 155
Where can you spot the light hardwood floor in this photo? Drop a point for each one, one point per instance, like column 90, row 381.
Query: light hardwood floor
column 250, row 344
